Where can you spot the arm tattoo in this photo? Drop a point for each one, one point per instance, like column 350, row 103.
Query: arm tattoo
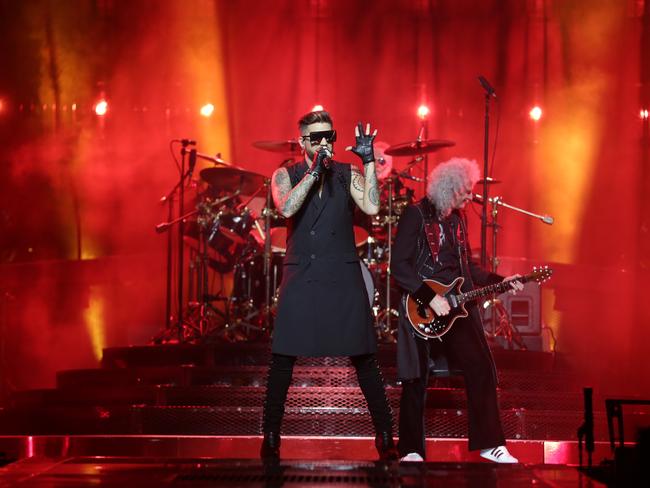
column 374, row 196
column 289, row 200
column 357, row 181
column 372, row 188
column 366, row 190
column 297, row 196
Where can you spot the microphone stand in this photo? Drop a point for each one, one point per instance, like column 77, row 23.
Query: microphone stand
column 505, row 328
column 169, row 198
column 486, row 142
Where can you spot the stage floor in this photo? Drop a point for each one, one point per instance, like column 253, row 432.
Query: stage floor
column 161, row 472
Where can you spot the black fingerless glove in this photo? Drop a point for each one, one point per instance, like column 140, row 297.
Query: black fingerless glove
column 364, row 148
column 318, row 166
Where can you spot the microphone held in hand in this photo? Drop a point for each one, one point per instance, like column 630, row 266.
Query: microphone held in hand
column 321, row 162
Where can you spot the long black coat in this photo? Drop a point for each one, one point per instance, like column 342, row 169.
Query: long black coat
column 412, row 262
column 323, row 307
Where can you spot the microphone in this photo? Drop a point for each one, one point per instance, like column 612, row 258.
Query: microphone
column 421, row 133
column 185, row 142
column 326, row 156
column 162, row 227
column 412, row 178
column 192, row 163
column 486, row 86
column 405, row 174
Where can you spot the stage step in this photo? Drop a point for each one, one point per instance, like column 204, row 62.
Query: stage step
column 301, row 421
column 258, row 353
column 344, row 376
column 218, row 389
column 307, row 396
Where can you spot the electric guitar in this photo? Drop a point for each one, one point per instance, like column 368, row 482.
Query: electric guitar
column 428, row 325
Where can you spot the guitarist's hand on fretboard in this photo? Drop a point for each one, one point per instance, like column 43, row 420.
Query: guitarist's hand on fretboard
column 440, row 305
column 515, row 284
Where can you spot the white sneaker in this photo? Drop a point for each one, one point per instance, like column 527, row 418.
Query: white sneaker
column 499, row 454
column 412, row 457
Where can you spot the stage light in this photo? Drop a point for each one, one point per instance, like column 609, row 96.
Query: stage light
column 643, row 113
column 207, row 110
column 73, row 107
column 317, row 108
column 535, row 113
column 101, row 108
column 2, row 105
column 423, row 111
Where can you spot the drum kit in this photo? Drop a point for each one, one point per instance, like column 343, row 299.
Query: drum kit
column 226, row 233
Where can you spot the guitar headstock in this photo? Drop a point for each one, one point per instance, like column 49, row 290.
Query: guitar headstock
column 541, row 274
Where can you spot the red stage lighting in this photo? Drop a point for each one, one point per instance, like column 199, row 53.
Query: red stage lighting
column 423, row 111
column 207, row 110
column 535, row 113
column 2, row 105
column 643, row 113
column 101, row 107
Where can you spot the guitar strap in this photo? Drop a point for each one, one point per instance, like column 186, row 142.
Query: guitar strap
column 431, row 228
column 432, row 231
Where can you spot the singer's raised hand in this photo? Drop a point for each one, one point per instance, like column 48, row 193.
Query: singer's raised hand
column 364, row 143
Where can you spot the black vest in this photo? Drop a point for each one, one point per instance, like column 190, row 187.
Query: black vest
column 323, row 307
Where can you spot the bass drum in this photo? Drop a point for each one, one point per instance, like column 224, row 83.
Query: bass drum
column 249, row 287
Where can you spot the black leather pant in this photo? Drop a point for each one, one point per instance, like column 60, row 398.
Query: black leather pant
column 466, row 346
column 370, row 381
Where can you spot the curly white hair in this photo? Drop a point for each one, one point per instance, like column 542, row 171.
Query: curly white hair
column 449, row 178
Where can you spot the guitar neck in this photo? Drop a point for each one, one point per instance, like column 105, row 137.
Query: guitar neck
column 497, row 288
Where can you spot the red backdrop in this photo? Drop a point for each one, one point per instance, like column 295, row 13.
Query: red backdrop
column 74, row 185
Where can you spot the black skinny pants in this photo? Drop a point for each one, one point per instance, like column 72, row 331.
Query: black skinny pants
column 368, row 375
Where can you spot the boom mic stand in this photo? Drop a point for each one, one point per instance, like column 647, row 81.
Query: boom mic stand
column 489, row 92
column 505, row 327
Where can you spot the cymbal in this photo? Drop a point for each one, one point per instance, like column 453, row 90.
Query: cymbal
column 232, row 178
column 490, row 181
column 216, row 160
column 288, row 146
column 413, row 148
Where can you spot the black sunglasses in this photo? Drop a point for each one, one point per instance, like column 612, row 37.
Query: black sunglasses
column 316, row 137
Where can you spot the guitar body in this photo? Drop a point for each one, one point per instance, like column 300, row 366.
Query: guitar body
column 428, row 325
column 425, row 322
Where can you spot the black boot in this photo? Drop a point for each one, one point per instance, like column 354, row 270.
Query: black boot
column 386, row 447
column 270, row 450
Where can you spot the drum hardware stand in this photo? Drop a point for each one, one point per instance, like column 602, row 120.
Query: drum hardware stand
column 424, row 134
column 200, row 322
column 179, row 331
column 267, row 258
column 264, row 314
column 385, row 315
column 500, row 321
